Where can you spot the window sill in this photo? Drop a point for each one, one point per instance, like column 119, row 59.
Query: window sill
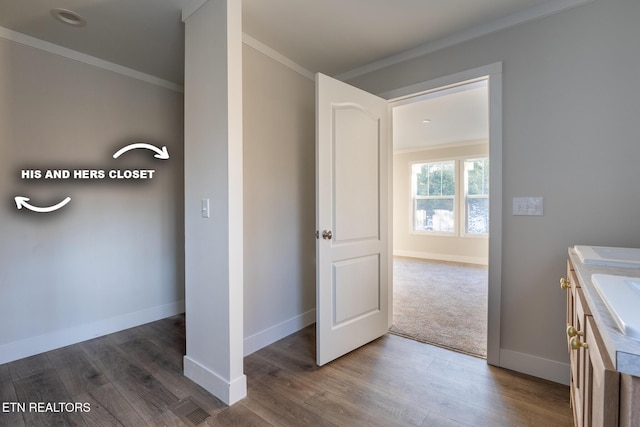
column 475, row 236
column 433, row 233
column 443, row 234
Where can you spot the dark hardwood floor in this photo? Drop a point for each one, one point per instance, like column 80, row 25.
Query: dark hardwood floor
column 134, row 378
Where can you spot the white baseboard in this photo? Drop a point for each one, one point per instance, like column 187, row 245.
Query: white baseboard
column 537, row 366
column 270, row 335
column 64, row 337
column 442, row 257
column 228, row 392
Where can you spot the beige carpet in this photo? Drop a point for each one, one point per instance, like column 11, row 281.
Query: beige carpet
column 441, row 303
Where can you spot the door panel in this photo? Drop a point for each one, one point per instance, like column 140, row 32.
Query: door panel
column 356, row 288
column 353, row 193
column 357, row 194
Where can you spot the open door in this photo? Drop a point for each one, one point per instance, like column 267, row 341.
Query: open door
column 352, row 218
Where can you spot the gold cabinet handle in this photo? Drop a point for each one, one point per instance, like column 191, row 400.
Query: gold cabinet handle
column 565, row 283
column 573, row 332
column 576, row 344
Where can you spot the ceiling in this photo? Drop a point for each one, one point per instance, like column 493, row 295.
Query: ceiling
column 329, row 36
column 455, row 115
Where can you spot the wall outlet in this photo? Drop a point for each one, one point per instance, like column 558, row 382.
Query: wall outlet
column 528, row 205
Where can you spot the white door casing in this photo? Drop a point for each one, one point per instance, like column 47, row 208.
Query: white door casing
column 353, row 153
column 494, row 73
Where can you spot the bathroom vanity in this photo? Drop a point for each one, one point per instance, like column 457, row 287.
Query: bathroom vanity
column 602, row 341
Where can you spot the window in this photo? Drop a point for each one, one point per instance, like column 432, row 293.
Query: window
column 476, row 190
column 441, row 189
column 434, row 191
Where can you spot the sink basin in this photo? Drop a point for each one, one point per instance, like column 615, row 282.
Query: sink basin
column 609, row 256
column 621, row 295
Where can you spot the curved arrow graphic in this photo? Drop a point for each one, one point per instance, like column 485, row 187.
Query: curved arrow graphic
column 161, row 153
column 22, row 202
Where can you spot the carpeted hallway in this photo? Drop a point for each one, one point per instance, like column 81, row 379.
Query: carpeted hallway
column 441, row 303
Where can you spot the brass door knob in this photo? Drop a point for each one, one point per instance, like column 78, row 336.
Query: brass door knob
column 565, row 283
column 576, row 344
column 573, row 332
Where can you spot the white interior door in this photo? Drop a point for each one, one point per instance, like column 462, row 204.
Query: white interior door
column 352, row 218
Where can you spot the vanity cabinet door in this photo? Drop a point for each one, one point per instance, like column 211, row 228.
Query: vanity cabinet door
column 602, row 381
column 577, row 356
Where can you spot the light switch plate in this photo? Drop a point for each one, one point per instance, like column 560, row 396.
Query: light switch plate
column 206, row 211
column 528, row 206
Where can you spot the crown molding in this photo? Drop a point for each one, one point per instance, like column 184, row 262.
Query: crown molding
column 191, row 8
column 55, row 49
column 276, row 56
column 517, row 18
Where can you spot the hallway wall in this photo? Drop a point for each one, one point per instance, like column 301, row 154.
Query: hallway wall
column 279, row 200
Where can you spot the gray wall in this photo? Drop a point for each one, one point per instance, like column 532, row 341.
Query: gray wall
column 112, row 257
column 571, row 102
column 279, row 199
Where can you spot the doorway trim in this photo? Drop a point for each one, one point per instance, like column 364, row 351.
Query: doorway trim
column 493, row 74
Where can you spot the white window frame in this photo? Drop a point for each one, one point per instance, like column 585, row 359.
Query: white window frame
column 415, row 198
column 460, row 204
column 465, row 212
